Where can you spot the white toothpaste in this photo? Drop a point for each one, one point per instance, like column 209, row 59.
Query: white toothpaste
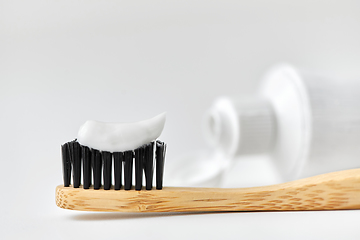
column 119, row 137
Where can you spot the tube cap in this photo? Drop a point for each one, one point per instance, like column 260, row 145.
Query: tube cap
column 240, row 125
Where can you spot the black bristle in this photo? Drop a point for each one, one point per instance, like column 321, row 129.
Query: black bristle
column 107, row 159
column 66, row 164
column 86, row 156
column 160, row 160
column 139, row 155
column 149, row 165
column 97, row 166
column 75, row 158
column 118, row 159
column 128, row 166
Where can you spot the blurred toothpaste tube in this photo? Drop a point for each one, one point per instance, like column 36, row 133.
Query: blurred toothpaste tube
column 306, row 123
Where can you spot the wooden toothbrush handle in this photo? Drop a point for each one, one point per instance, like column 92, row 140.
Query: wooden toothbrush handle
column 337, row 190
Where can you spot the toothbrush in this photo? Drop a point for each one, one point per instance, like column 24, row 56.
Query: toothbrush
column 100, row 144
column 337, row 190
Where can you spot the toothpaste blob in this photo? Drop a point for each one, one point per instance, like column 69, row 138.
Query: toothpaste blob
column 120, row 137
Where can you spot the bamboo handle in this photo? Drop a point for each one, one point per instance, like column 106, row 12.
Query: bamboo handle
column 337, row 190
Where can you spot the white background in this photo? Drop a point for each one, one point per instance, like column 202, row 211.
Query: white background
column 63, row 62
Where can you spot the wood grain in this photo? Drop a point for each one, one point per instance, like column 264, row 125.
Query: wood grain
column 337, row 190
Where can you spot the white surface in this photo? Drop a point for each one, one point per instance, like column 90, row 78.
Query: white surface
column 120, row 137
column 63, row 62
